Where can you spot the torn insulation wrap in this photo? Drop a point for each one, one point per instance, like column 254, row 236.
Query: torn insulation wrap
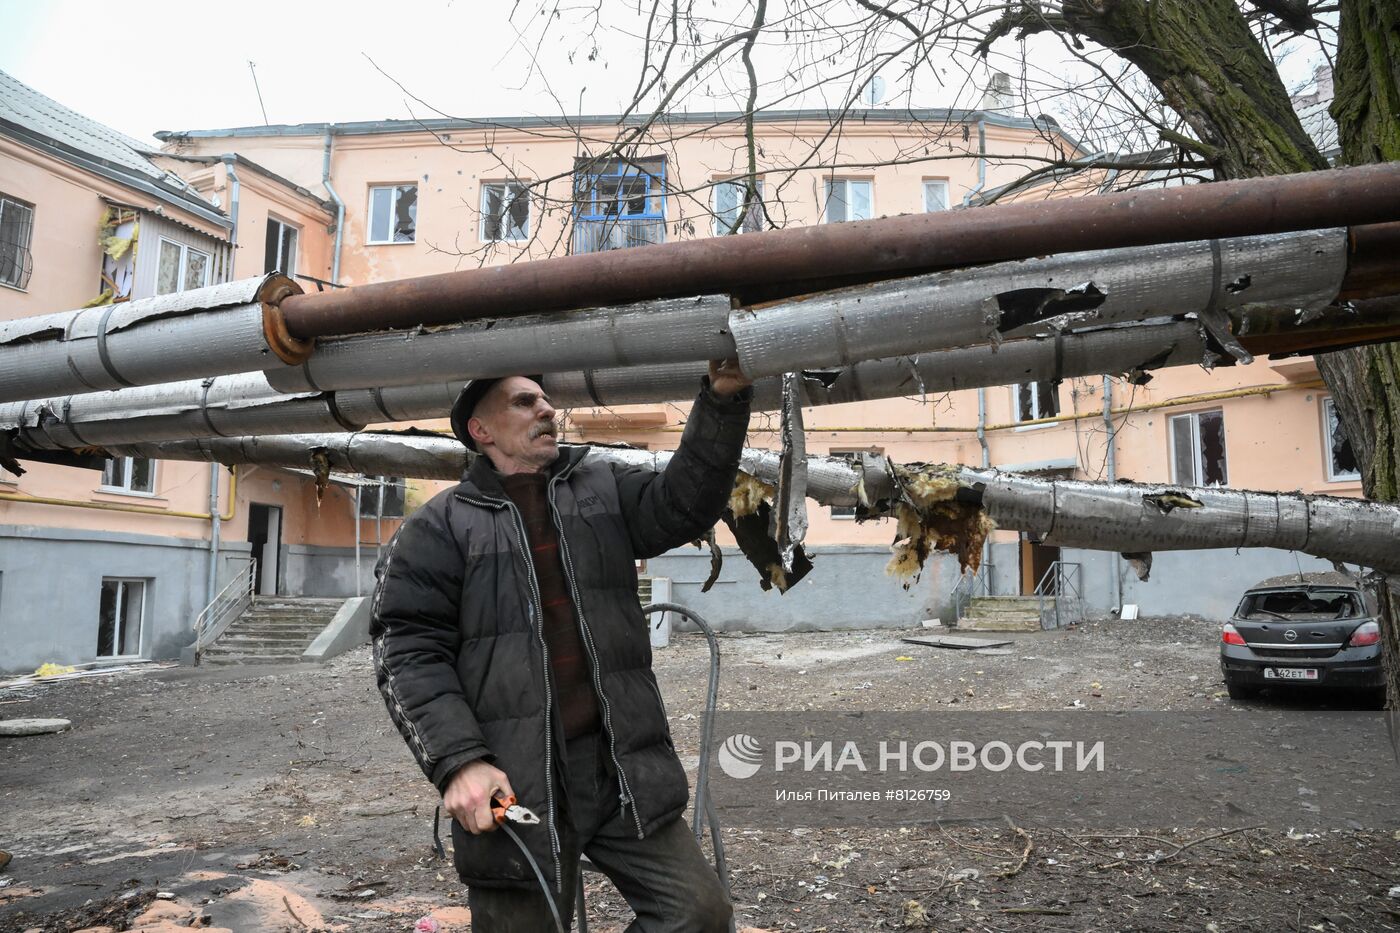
column 931, row 516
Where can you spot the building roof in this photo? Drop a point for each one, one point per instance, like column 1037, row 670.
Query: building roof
column 267, row 173
column 43, row 123
column 941, row 116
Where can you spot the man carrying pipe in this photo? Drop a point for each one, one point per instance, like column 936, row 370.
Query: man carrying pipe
column 514, row 658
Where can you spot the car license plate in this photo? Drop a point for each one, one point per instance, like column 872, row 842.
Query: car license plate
column 1290, row 673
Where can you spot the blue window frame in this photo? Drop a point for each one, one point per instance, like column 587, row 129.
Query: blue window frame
column 616, row 189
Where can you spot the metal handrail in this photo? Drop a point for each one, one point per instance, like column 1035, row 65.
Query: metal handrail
column 1063, row 580
column 233, row 600
column 968, row 588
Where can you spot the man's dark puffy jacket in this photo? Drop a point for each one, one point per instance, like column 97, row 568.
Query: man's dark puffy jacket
column 458, row 649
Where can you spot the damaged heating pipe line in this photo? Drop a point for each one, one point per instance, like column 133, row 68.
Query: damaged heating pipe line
column 245, row 405
column 785, row 263
column 1124, row 517
column 241, row 326
column 961, row 308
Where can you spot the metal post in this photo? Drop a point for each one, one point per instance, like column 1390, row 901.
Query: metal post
column 359, row 589
column 1111, row 471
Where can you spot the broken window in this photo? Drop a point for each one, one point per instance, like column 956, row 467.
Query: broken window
column 1198, row 449
column 385, row 498
column 119, row 618
column 1036, row 400
column 848, row 199
column 849, row 511
column 1341, row 459
column 393, row 214
column 729, row 200
column 936, row 194
column 180, row 267
column 281, row 253
column 505, row 212
column 16, row 230
column 619, row 203
column 129, row 474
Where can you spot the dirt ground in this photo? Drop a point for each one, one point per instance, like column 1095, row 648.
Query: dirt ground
column 281, row 798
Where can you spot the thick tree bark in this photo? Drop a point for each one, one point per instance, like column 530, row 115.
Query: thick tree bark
column 1210, row 68
column 1365, row 382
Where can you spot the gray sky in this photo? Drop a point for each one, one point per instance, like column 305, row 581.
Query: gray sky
column 160, row 64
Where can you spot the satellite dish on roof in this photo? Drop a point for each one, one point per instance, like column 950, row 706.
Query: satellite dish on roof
column 873, row 92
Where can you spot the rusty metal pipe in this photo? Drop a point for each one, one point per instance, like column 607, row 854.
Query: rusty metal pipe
column 789, row 262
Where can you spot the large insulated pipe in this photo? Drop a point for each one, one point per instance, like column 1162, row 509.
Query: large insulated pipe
column 1124, row 517
column 227, row 328
column 246, row 405
column 807, row 259
column 962, row 307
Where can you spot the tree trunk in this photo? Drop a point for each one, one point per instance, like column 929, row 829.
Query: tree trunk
column 1210, row 69
column 1365, row 382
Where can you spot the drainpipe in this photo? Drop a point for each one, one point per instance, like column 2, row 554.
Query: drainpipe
column 1111, row 468
column 339, row 209
column 981, row 162
column 986, row 463
column 228, row 159
column 359, row 490
column 213, row 583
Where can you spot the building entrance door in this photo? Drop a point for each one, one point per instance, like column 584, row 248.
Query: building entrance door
column 1036, row 559
column 265, row 535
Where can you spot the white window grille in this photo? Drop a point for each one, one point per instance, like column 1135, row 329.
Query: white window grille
column 936, row 194
column 16, row 232
column 1032, row 401
column 281, row 252
column 729, row 200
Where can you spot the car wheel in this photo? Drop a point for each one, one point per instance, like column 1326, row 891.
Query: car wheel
column 1240, row 691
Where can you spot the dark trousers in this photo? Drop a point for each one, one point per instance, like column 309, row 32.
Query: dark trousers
column 665, row 878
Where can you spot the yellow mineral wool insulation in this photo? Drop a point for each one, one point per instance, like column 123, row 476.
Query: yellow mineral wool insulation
column 933, row 520
column 749, row 493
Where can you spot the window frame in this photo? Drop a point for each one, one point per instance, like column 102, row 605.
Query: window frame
column 943, row 183
column 1329, row 417
column 846, row 181
column 586, row 200
column 393, row 187
column 24, row 256
column 376, row 495
column 1039, row 404
column 1198, row 452
column 523, row 191
column 295, row 230
column 127, row 463
column 185, row 249
column 752, row 223
column 123, row 584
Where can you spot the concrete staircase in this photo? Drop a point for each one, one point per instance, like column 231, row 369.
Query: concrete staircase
column 1004, row 614
column 275, row 629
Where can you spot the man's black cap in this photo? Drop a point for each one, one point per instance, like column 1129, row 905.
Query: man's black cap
column 467, row 400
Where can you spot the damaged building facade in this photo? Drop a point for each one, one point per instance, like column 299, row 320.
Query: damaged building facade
column 356, row 203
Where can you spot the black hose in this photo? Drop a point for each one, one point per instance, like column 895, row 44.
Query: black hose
column 519, row 844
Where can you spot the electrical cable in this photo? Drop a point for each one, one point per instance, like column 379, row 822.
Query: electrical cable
column 524, row 850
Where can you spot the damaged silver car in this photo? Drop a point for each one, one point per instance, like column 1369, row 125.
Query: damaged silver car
column 1309, row 630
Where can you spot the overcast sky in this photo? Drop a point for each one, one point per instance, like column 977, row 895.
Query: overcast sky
column 147, row 65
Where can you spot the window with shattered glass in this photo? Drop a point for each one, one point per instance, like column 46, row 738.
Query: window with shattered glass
column 393, row 214
column 129, row 474
column 505, row 212
column 729, row 200
column 280, row 254
column 1032, row 401
column 1198, row 449
column 618, row 203
column 120, row 612
column 16, row 230
column 384, row 498
column 1341, row 459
